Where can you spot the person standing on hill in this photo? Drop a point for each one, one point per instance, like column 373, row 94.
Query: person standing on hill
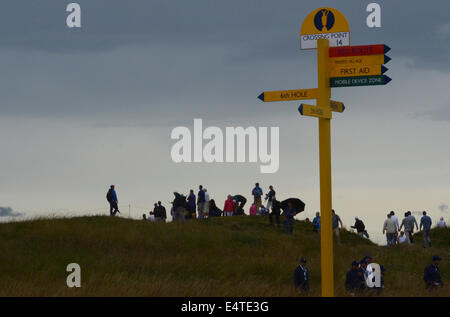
column 425, row 226
column 301, row 278
column 257, row 193
column 289, row 221
column 393, row 216
column 336, row 220
column 409, row 221
column 390, row 228
column 276, row 211
column 229, row 206
column 316, row 222
column 441, row 223
column 432, row 275
column 179, row 204
column 200, row 201
column 206, row 205
column 270, row 196
column 360, row 228
column 111, row 197
column 191, row 204
column 162, row 214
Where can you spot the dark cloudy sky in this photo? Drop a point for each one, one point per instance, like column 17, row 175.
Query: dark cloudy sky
column 83, row 108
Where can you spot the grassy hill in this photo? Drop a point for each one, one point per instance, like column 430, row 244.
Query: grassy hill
column 228, row 256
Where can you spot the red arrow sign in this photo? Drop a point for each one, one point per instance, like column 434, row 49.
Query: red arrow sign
column 342, row 51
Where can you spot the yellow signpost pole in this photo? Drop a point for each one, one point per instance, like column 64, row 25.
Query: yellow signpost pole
column 326, row 233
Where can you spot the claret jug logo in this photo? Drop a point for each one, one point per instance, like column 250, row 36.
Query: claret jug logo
column 324, row 20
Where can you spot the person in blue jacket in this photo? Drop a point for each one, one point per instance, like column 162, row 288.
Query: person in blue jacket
column 111, row 197
column 432, row 275
column 301, row 278
column 354, row 280
column 257, row 192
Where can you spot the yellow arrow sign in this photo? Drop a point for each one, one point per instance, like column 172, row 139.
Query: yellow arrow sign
column 337, row 106
column 314, row 111
column 286, row 95
column 363, row 70
column 358, row 60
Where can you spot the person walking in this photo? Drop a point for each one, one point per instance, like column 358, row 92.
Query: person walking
column 408, row 222
column 270, row 196
column 111, row 197
column 354, row 280
column 393, row 216
column 200, row 201
column 257, row 193
column 336, row 220
column 441, row 223
column 289, row 221
column 276, row 211
column 316, row 222
column 301, row 278
column 425, row 227
column 390, row 228
column 179, row 204
column 229, row 206
column 360, row 228
column 432, row 275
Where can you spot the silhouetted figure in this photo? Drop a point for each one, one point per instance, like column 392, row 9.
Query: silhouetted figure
column 360, row 228
column 276, row 211
column 214, row 211
column 111, row 197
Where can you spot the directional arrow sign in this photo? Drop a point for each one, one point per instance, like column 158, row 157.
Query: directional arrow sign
column 359, row 60
column 359, row 81
column 286, row 95
column 337, row 106
column 314, row 111
column 366, row 70
column 378, row 49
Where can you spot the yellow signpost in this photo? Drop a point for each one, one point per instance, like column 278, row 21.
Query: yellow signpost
column 362, row 70
column 337, row 106
column 358, row 60
column 286, row 95
column 327, row 30
column 314, row 111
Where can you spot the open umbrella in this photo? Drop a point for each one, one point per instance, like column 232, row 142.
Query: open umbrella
column 297, row 204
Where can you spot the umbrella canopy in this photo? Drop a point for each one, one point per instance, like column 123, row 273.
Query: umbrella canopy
column 240, row 198
column 297, row 204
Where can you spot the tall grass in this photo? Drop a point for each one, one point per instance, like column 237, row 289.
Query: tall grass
column 228, row 256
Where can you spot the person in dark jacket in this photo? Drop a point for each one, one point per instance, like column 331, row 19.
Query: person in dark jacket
column 289, row 221
column 301, row 278
column 276, row 211
column 214, row 211
column 162, row 214
column 360, row 228
column 179, row 205
column 111, row 197
column 432, row 276
column 354, row 281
